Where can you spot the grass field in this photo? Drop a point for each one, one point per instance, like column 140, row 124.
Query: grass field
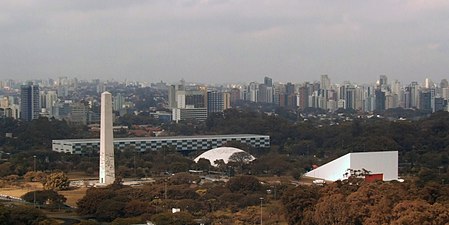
column 72, row 195
column 19, row 191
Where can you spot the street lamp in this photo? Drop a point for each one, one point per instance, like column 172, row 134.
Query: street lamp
column 261, row 200
column 34, row 192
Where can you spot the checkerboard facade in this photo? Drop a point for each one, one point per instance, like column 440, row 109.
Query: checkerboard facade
column 190, row 143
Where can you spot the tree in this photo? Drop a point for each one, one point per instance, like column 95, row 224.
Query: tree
column 184, row 178
column 50, row 197
column 331, row 209
column 244, row 184
column 241, row 158
column 18, row 214
column 179, row 218
column 33, row 176
column 203, row 164
column 138, row 207
column 56, row 181
column 110, row 209
column 420, row 212
column 94, row 196
column 300, row 201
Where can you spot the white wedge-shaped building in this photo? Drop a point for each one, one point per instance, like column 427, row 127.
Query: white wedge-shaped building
column 107, row 168
column 384, row 164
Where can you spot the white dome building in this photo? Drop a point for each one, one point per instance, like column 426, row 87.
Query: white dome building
column 223, row 153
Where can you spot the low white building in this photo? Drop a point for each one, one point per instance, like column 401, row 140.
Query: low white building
column 385, row 163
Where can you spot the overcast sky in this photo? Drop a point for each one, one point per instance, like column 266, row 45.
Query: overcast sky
column 215, row 41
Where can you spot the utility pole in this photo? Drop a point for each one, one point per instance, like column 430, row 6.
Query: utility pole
column 165, row 188
column 34, row 169
column 261, row 200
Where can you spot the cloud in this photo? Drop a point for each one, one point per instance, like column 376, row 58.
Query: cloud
column 217, row 40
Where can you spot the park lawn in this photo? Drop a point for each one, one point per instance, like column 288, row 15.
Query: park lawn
column 19, row 191
column 73, row 195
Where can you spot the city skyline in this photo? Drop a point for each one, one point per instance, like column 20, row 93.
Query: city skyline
column 225, row 41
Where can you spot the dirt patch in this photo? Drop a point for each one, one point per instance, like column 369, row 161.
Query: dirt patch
column 73, row 195
column 20, row 190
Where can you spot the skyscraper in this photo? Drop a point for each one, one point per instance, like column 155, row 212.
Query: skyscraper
column 29, row 102
column 268, row 81
column 325, row 82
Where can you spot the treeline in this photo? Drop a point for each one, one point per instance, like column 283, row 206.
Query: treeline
column 194, row 197
column 296, row 144
column 349, row 202
column 18, row 136
column 421, row 144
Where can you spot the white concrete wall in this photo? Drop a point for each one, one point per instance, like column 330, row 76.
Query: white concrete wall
column 331, row 171
column 376, row 162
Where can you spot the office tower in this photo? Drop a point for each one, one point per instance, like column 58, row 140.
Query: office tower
column 235, row 96
column 172, row 90
column 51, row 98
column 440, row 104
column 323, row 93
column 397, row 93
column 350, row 97
column 29, row 102
column 78, row 114
column 265, row 93
column 253, row 92
column 303, row 94
column 289, row 89
column 414, row 94
column 383, row 80
column 191, row 105
column 325, row 82
column 215, row 102
column 444, row 83
column 107, row 168
column 262, row 93
column 428, row 83
column 268, row 82
column 380, row 100
column 425, row 101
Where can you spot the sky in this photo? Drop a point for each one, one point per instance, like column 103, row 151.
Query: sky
column 225, row 41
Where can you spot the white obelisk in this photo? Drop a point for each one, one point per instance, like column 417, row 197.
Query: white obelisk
column 107, row 169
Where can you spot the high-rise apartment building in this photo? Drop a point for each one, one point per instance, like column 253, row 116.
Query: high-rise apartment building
column 118, row 102
column 29, row 102
column 217, row 102
column 235, row 96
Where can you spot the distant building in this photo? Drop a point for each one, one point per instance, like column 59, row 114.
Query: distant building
column 380, row 100
column 217, row 101
column 29, row 102
column 235, row 96
column 190, row 113
column 180, row 143
column 425, row 101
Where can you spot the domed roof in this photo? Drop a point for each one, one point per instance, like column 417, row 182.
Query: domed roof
column 223, row 153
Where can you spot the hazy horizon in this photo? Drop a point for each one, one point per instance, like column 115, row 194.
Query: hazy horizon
column 224, row 41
